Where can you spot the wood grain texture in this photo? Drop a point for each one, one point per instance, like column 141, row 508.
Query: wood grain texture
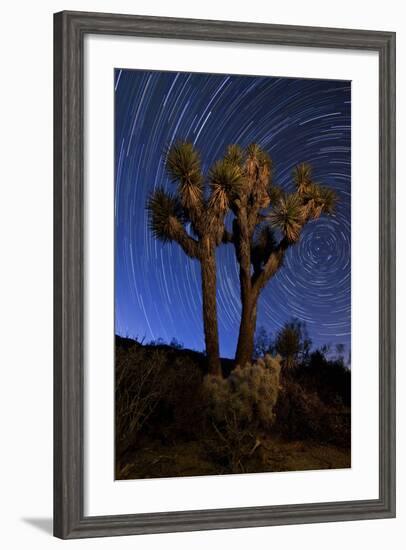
column 69, row 30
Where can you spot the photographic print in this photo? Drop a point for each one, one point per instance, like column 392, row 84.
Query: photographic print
column 232, row 274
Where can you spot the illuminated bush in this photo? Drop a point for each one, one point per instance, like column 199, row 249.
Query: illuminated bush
column 241, row 406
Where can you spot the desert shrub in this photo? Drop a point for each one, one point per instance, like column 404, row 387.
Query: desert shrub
column 250, row 392
column 158, row 393
column 240, row 407
column 301, row 414
column 138, row 390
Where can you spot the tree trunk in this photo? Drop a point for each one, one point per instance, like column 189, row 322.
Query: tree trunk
column 208, row 269
column 242, row 244
column 245, row 345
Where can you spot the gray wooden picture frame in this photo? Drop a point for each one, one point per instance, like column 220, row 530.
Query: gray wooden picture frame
column 69, row 31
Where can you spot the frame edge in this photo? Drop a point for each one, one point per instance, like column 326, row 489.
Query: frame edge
column 68, row 275
column 69, row 521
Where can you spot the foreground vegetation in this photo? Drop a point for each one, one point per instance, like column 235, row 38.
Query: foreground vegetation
column 282, row 412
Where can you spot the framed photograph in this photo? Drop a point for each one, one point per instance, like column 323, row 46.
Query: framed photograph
column 224, row 274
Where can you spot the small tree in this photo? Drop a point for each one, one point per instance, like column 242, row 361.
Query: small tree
column 292, row 343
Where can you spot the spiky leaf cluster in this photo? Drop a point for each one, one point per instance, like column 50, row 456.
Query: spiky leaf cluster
column 226, row 183
column 288, row 216
column 274, row 193
column 302, row 176
column 234, row 154
column 317, row 199
column 258, row 168
column 320, row 199
column 257, row 156
column 164, row 210
column 183, row 166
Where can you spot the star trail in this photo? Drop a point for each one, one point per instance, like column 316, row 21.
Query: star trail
column 157, row 288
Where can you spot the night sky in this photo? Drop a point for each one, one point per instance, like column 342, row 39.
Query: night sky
column 157, row 288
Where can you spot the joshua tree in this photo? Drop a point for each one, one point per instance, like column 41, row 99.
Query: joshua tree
column 267, row 221
column 194, row 218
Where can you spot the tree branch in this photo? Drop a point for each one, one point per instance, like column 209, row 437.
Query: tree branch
column 242, row 244
column 177, row 233
column 271, row 266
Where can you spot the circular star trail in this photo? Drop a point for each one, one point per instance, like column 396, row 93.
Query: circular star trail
column 157, row 288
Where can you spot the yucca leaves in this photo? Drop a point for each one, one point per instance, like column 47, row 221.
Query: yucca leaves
column 288, row 216
column 256, row 158
column 255, row 153
column 327, row 199
column 319, row 199
column 167, row 221
column 163, row 209
column 234, row 154
column 302, row 176
column 264, row 159
column 183, row 166
column 183, row 163
column 226, row 181
column 274, row 193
